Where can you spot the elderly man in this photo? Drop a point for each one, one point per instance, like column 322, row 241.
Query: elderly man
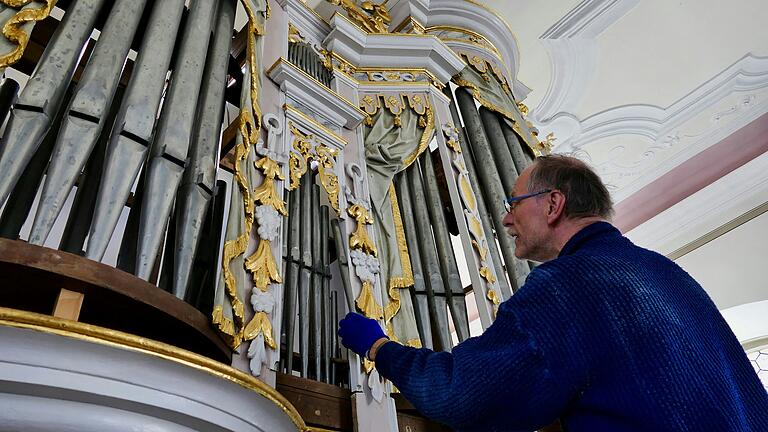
column 604, row 335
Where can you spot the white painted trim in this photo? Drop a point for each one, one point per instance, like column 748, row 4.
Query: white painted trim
column 315, row 96
column 310, row 25
column 400, row 10
column 656, row 124
column 572, row 66
column 392, row 50
column 748, row 320
column 574, row 53
column 708, row 209
column 589, row 18
column 82, row 377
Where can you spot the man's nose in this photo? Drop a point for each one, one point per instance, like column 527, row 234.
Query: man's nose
column 509, row 219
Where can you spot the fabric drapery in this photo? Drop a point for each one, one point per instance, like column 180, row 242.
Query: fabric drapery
column 392, row 143
column 489, row 87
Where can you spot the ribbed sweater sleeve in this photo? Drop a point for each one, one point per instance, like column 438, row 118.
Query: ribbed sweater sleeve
column 464, row 388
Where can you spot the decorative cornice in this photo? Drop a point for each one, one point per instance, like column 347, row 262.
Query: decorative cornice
column 589, row 18
column 317, row 97
column 404, row 11
column 743, row 191
column 321, row 131
column 663, row 129
column 574, row 52
column 404, row 51
column 479, row 18
column 311, row 25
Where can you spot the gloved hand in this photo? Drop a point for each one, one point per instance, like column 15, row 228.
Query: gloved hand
column 358, row 333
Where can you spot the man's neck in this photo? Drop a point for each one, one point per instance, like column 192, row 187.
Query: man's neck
column 570, row 227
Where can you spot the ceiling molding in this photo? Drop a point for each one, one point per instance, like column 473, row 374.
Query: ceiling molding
column 574, row 53
column 589, row 18
column 714, row 206
column 668, row 131
column 572, row 66
column 718, row 232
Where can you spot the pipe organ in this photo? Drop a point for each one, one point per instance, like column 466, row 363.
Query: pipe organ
column 205, row 187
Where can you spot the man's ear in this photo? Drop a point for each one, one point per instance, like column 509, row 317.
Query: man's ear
column 555, row 206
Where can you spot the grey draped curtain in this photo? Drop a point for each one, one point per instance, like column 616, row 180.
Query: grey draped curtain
column 389, row 149
column 492, row 91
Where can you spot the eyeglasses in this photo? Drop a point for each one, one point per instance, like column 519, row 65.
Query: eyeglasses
column 511, row 202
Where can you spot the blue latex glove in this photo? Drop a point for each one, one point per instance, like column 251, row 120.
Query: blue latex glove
column 358, row 333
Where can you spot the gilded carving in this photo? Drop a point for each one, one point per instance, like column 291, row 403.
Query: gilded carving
column 267, row 194
column 396, row 106
column 451, row 134
column 294, row 35
column 297, row 162
column 371, row 17
column 486, row 274
column 263, row 266
column 472, row 218
column 12, row 28
column 359, row 239
column 255, row 28
column 523, row 109
column 366, row 302
column 326, row 157
column 237, row 246
column 546, row 145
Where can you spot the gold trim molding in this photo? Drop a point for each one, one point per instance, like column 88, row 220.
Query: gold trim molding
column 116, row 339
column 474, row 37
column 314, row 122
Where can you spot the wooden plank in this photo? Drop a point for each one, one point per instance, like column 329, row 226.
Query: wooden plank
column 319, row 404
column 116, row 299
column 68, row 305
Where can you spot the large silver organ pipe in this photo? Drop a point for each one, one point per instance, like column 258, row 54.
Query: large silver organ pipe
column 132, row 131
column 42, row 96
column 170, row 146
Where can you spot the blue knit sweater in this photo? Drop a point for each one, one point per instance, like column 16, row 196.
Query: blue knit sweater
column 608, row 337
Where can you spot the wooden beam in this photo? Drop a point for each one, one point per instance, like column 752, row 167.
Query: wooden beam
column 68, row 305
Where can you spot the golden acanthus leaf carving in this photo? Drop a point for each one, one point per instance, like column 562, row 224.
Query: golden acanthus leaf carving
column 359, row 239
column 326, row 158
column 297, row 162
column 371, row 17
column 267, row 193
column 263, row 266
